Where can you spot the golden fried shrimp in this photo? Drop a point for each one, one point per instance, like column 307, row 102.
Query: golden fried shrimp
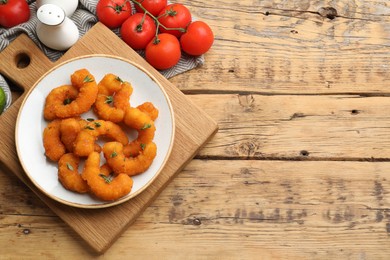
column 102, row 183
column 58, row 97
column 142, row 123
column 122, row 97
column 85, row 141
column 87, row 88
column 54, row 148
column 69, row 129
column 68, row 174
column 149, row 109
column 113, row 98
column 110, row 83
column 143, row 116
column 133, row 148
column 119, row 163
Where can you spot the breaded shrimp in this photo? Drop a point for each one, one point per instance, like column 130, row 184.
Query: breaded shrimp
column 122, row 97
column 119, row 163
column 133, row 149
column 84, row 82
column 143, row 124
column 85, row 141
column 149, row 109
column 54, row 148
column 102, row 183
column 113, row 98
column 59, row 97
column 68, row 174
column 69, row 129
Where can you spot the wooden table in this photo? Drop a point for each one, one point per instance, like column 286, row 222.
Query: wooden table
column 299, row 168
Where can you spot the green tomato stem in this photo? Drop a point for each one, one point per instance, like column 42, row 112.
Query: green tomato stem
column 139, row 26
column 117, row 8
column 171, row 12
column 158, row 24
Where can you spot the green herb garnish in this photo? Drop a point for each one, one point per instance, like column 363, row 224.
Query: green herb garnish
column 88, row 79
column 107, row 179
column 67, row 101
column 114, row 154
column 109, row 99
column 119, row 79
column 146, row 126
column 69, row 166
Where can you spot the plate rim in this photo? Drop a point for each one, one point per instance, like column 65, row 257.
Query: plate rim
column 120, row 200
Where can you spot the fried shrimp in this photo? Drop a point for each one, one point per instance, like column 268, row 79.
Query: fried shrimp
column 68, row 174
column 102, row 183
column 70, row 129
column 113, row 98
column 144, row 125
column 122, row 97
column 149, row 109
column 119, row 163
column 54, row 148
column 133, row 149
column 58, row 97
column 60, row 107
column 85, row 141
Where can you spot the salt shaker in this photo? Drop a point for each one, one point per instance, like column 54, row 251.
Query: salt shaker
column 69, row 6
column 55, row 29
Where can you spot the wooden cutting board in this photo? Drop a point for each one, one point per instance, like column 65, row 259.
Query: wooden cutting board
column 24, row 63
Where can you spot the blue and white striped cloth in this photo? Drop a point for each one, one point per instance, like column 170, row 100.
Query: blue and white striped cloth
column 84, row 18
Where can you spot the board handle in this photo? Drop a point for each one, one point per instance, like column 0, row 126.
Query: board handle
column 23, row 62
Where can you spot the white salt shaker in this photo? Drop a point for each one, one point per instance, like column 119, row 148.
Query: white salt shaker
column 69, row 6
column 55, row 29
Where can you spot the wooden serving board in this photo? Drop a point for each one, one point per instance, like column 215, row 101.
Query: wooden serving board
column 98, row 227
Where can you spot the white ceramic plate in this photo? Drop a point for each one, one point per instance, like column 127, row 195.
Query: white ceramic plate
column 30, row 125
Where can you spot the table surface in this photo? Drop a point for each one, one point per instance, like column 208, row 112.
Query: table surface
column 300, row 165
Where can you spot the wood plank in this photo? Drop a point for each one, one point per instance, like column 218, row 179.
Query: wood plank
column 288, row 47
column 298, row 127
column 239, row 209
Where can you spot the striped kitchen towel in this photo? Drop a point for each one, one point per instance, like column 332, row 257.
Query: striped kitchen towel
column 84, row 18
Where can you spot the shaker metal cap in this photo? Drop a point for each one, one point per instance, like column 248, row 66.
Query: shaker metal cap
column 51, row 14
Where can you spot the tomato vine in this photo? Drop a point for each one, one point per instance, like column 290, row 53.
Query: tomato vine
column 156, row 19
column 164, row 31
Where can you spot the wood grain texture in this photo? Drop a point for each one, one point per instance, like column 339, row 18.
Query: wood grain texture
column 284, row 47
column 284, row 210
column 100, row 228
column 312, row 127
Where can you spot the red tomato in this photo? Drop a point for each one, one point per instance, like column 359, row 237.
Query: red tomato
column 163, row 52
column 138, row 30
column 174, row 16
column 13, row 12
column 112, row 13
column 198, row 38
column 152, row 6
